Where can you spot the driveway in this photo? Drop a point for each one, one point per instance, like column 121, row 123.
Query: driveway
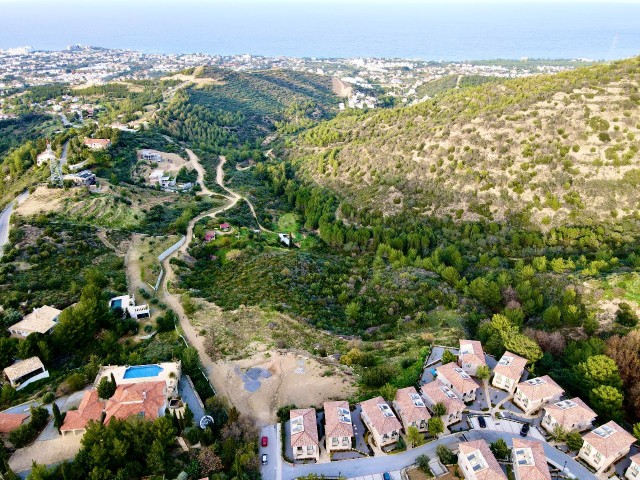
column 272, row 470
column 5, row 216
column 508, row 426
column 189, row 395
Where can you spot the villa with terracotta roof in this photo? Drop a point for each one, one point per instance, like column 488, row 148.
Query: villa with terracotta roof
column 571, row 415
column 97, row 143
column 529, row 460
column 381, row 421
column 438, row 392
column 90, row 409
column 476, row 462
column 338, row 426
column 304, row 434
column 508, row 371
column 41, row 320
column 411, row 409
column 458, row 380
column 605, row 445
column 633, row 472
column 11, row 421
column 147, row 400
column 24, row 372
column 471, row 356
column 534, row 393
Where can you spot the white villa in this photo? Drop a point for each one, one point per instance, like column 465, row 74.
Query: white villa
column 437, row 392
column 603, row 446
column 24, row 372
column 128, row 304
column 304, row 434
column 478, row 463
column 633, row 472
column 97, row 143
column 150, row 155
column 471, row 356
column 46, row 156
column 157, row 177
column 533, row 394
column 458, row 380
column 338, row 426
column 571, row 415
column 40, row 320
column 508, row 371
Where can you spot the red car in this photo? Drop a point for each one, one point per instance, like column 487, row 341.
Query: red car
column 265, row 441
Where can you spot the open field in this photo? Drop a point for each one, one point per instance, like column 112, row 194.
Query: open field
column 605, row 294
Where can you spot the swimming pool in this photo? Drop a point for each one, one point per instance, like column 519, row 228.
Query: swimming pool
column 142, row 371
column 117, row 303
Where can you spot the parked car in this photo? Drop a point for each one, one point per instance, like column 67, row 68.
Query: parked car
column 482, row 422
column 524, row 431
column 386, row 476
column 264, row 458
column 265, row 442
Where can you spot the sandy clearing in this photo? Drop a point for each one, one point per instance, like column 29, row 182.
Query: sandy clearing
column 296, row 378
column 45, row 453
column 43, row 200
column 171, row 163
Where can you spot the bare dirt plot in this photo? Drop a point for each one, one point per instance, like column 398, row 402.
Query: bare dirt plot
column 263, row 360
column 43, row 200
column 171, row 163
column 294, row 378
column 45, row 453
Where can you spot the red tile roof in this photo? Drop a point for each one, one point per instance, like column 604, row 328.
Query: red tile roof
column 335, row 424
column 308, row 428
column 10, row 421
column 511, row 366
column 455, row 375
column 91, row 408
column 531, row 464
column 147, row 399
column 540, row 387
column 440, row 393
column 410, row 402
column 570, row 412
column 609, row 439
column 381, row 422
column 492, row 469
column 471, row 351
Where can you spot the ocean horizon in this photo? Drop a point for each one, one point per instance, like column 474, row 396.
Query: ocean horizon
column 428, row 31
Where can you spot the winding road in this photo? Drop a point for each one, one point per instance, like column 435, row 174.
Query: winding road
column 171, row 299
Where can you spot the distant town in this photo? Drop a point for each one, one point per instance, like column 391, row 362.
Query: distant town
column 370, row 78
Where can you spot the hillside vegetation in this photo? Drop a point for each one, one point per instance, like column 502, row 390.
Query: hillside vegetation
column 556, row 149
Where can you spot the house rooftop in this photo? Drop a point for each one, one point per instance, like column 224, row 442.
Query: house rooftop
column 147, row 399
column 609, row 439
column 460, row 379
column 91, row 408
column 484, row 464
column 540, row 387
column 511, row 366
column 440, row 393
column 570, row 412
column 381, row 416
column 412, row 405
column 10, row 421
column 304, row 429
column 23, row 367
column 337, row 419
column 40, row 320
column 530, row 461
column 471, row 351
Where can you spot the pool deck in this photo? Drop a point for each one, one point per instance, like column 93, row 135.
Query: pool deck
column 170, row 374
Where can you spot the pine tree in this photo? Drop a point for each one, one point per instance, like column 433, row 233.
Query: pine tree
column 58, row 418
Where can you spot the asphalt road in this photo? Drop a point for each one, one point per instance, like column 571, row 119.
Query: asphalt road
column 388, row 463
column 5, row 216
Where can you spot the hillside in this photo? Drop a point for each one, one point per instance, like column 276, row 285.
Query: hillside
column 557, row 148
column 246, row 106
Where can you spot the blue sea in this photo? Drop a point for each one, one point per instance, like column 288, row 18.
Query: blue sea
column 429, row 30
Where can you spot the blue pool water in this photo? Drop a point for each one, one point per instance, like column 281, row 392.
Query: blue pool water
column 116, row 303
column 142, row 371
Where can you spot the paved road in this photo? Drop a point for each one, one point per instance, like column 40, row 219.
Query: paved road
column 273, row 469
column 373, row 465
column 63, row 157
column 5, row 216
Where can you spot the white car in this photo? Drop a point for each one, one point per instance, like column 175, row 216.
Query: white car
column 264, row 459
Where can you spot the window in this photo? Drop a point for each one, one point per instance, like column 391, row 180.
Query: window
column 597, row 457
column 334, row 441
